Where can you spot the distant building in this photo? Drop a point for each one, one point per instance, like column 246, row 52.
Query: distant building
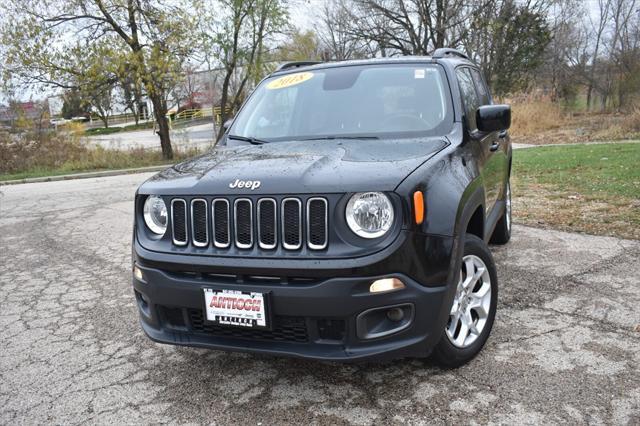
column 32, row 111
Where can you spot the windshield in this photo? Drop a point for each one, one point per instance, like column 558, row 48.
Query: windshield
column 398, row 100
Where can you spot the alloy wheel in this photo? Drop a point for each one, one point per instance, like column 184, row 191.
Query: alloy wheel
column 471, row 304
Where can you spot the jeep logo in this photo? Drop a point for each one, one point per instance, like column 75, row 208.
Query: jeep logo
column 249, row 184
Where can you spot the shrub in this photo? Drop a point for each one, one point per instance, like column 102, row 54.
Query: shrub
column 29, row 153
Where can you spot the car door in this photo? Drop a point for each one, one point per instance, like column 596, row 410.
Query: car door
column 499, row 164
column 489, row 163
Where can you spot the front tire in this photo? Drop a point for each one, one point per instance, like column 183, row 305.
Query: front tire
column 502, row 233
column 473, row 309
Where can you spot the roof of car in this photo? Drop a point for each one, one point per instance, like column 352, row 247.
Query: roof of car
column 309, row 65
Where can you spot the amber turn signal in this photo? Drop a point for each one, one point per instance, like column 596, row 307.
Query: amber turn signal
column 418, row 206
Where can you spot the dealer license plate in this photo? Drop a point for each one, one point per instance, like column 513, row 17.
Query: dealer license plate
column 238, row 308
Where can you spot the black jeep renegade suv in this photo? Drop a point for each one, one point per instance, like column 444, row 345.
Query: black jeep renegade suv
column 344, row 215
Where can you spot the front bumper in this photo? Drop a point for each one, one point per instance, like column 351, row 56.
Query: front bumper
column 311, row 318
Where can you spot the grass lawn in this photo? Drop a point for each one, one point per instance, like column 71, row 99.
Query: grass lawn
column 586, row 188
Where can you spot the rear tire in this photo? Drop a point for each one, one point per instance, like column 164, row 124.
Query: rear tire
column 473, row 309
column 502, row 232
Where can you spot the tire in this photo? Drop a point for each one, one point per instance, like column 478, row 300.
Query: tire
column 502, row 232
column 471, row 305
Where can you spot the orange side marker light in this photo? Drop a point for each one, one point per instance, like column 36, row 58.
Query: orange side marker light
column 418, row 206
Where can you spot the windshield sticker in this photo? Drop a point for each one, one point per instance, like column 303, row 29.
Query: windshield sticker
column 289, row 80
column 419, row 73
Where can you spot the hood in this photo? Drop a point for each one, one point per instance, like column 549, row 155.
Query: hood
column 325, row 166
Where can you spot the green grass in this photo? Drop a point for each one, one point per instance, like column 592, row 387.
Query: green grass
column 611, row 169
column 591, row 188
column 102, row 131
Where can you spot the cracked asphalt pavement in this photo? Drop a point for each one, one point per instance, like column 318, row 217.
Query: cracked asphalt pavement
column 565, row 347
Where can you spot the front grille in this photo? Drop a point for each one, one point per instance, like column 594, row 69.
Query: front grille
column 221, row 224
column 292, row 223
column 267, row 219
column 199, row 223
column 284, row 329
column 317, row 223
column 179, row 221
column 246, row 223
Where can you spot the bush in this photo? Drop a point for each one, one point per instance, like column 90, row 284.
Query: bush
column 32, row 153
column 29, row 150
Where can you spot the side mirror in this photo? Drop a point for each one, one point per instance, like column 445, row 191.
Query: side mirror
column 227, row 124
column 491, row 118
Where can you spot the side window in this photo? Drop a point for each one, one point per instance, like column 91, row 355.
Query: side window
column 482, row 88
column 470, row 97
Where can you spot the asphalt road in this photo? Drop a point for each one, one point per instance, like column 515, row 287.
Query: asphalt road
column 565, row 347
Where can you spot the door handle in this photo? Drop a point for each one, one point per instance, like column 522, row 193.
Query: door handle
column 494, row 146
column 502, row 134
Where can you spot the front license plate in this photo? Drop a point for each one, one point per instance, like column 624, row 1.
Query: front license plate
column 238, row 308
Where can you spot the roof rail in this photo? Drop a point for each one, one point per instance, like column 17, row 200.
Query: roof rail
column 296, row 64
column 446, row 51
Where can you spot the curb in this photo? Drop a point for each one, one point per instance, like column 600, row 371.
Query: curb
column 104, row 173
column 529, row 145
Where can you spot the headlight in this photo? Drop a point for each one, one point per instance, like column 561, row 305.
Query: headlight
column 155, row 214
column 369, row 214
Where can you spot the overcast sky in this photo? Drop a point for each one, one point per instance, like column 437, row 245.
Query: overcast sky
column 303, row 15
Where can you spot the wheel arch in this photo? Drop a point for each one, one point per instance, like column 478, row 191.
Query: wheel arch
column 470, row 216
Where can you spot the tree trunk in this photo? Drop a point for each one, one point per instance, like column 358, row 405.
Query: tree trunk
column 160, row 112
column 136, row 114
column 223, row 102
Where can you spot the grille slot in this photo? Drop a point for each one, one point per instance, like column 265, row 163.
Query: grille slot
column 285, row 329
column 199, row 222
column 291, row 223
column 179, row 221
column 243, row 210
column 267, row 219
column 221, row 225
column 317, row 225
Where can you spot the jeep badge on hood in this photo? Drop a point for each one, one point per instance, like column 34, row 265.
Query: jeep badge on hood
column 249, row 184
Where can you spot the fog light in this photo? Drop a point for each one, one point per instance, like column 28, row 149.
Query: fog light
column 137, row 273
column 395, row 314
column 386, row 284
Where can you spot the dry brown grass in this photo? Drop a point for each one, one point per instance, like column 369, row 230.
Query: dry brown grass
column 30, row 153
column 538, row 121
column 531, row 116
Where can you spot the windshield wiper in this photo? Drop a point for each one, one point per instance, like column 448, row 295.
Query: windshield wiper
column 323, row 138
column 250, row 139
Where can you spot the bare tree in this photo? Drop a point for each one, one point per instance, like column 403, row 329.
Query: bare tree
column 624, row 48
column 240, row 41
column 411, row 27
column 604, row 7
column 336, row 41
